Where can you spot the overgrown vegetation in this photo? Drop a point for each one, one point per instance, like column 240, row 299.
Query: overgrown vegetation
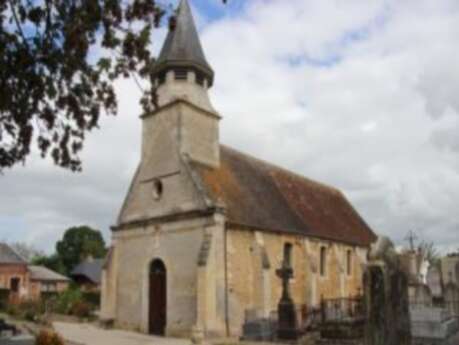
column 4, row 296
column 46, row 337
column 71, row 302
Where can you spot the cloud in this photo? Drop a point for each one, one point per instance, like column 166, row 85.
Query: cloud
column 357, row 94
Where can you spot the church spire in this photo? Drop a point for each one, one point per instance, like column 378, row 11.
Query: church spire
column 182, row 50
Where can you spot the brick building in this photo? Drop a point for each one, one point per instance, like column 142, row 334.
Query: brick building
column 24, row 281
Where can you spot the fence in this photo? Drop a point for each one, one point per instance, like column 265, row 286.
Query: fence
column 341, row 318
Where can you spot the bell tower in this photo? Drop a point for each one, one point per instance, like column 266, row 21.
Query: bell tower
column 182, row 77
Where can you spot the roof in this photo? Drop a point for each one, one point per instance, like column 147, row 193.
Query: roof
column 45, row 274
column 182, row 45
column 90, row 269
column 263, row 196
column 9, row 256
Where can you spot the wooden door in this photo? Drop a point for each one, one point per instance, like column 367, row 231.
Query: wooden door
column 158, row 298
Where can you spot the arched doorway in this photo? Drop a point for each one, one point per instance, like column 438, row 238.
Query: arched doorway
column 158, row 298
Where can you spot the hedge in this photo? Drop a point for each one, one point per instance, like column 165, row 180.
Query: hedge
column 92, row 298
column 4, row 298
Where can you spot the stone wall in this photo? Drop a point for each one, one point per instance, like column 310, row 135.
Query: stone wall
column 126, row 291
column 254, row 256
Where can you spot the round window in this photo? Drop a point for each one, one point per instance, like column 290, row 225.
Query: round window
column 157, row 189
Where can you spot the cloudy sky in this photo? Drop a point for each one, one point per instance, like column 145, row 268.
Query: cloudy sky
column 360, row 94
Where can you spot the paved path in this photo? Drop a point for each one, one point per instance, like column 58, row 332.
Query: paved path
column 83, row 334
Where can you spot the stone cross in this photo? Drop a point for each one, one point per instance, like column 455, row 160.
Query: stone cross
column 285, row 273
column 287, row 323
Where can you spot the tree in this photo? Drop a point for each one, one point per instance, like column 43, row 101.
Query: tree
column 58, row 62
column 78, row 244
column 429, row 252
column 27, row 251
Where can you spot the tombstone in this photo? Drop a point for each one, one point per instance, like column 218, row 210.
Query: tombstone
column 451, row 297
column 432, row 323
column 386, row 297
column 287, row 322
column 422, row 295
column 434, row 282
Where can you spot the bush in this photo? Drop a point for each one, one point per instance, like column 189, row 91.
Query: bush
column 13, row 309
column 67, row 299
column 92, row 298
column 49, row 338
column 31, row 310
column 28, row 310
column 81, row 309
column 4, row 298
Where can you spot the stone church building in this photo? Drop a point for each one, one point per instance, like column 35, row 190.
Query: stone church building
column 204, row 227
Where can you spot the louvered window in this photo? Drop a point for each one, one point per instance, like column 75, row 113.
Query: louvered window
column 181, row 74
column 162, row 78
column 200, row 78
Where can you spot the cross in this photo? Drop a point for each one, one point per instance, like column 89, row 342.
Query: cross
column 285, row 273
column 411, row 237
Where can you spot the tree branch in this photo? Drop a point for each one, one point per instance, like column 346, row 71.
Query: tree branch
column 18, row 24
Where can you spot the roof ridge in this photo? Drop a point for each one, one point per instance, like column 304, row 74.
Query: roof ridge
column 13, row 251
column 285, row 170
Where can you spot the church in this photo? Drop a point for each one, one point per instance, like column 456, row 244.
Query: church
column 204, row 227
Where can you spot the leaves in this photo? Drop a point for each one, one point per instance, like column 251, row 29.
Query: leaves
column 58, row 62
column 78, row 244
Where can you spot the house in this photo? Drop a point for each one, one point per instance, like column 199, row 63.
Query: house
column 24, row 281
column 44, row 281
column 14, row 275
column 204, row 227
column 88, row 274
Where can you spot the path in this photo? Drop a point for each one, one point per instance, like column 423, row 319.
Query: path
column 84, row 334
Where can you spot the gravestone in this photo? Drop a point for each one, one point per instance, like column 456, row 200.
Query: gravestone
column 434, row 282
column 451, row 297
column 386, row 297
column 432, row 323
column 287, row 323
column 422, row 295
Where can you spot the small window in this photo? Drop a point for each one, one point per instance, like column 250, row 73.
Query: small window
column 349, row 262
column 288, row 254
column 323, row 261
column 200, row 78
column 181, row 74
column 157, row 189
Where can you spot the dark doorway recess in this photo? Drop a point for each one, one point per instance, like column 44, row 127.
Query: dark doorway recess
column 158, row 298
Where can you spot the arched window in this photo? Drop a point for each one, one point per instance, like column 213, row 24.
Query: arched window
column 349, row 262
column 323, row 261
column 288, row 254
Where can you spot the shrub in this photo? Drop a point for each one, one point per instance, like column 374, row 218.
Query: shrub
column 4, row 297
column 92, row 298
column 67, row 299
column 81, row 309
column 13, row 309
column 49, row 338
column 28, row 310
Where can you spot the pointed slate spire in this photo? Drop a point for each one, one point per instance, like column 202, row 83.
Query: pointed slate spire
column 182, row 47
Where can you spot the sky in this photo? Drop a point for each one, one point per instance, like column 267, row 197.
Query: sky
column 358, row 94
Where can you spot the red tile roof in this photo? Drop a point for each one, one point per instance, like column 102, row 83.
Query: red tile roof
column 259, row 195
